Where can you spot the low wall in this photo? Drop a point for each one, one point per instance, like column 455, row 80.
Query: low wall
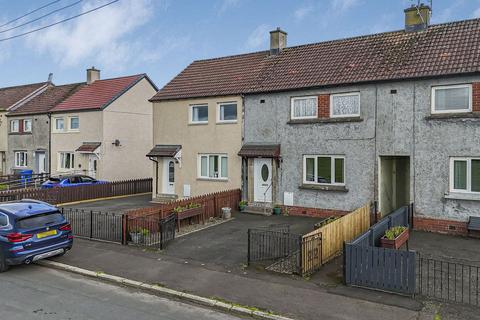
column 452, row 227
column 312, row 212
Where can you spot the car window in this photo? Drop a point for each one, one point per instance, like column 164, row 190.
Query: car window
column 40, row 220
column 87, row 179
column 75, row 180
column 3, row 220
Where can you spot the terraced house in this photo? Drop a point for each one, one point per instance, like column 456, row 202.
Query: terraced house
column 104, row 129
column 328, row 126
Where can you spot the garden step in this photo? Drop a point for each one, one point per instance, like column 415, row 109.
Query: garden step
column 261, row 210
column 164, row 198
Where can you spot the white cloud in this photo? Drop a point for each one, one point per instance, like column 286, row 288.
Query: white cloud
column 343, row 5
column 303, row 11
column 227, row 5
column 259, row 37
column 100, row 36
column 476, row 13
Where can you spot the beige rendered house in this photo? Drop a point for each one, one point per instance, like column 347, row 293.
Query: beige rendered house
column 104, row 129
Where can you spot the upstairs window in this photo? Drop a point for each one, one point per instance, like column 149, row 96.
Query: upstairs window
column 74, row 123
column 345, row 105
column 66, row 160
column 59, row 124
column 304, row 107
column 465, row 175
column 27, row 125
column 452, row 99
column 213, row 166
column 199, row 114
column 14, row 125
column 21, row 159
column 328, row 170
column 227, row 112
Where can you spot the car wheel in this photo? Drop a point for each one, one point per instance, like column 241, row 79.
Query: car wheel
column 3, row 263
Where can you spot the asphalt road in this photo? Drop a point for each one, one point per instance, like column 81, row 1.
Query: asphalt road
column 34, row 292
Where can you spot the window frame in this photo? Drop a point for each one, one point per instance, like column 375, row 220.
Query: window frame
column 60, row 163
column 468, row 190
column 219, row 106
column 292, row 105
column 332, row 169
column 356, row 93
column 24, row 126
column 208, row 155
column 55, row 124
column 190, row 113
column 70, row 123
column 25, row 159
column 8, row 225
column 453, row 86
column 17, row 121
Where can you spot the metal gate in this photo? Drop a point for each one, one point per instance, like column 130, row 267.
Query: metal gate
column 151, row 231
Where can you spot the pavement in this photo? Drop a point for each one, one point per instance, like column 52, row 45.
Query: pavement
column 288, row 296
column 116, row 204
column 34, row 292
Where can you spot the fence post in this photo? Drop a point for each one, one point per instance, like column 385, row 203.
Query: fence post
column 91, row 224
column 345, row 262
column 124, row 228
column 248, row 252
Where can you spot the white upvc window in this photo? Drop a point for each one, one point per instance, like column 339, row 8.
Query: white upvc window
column 14, row 125
column 304, row 107
column 324, row 169
column 213, row 166
column 66, row 160
column 452, row 99
column 227, row 112
column 59, row 124
column 465, row 174
column 345, row 105
column 21, row 159
column 198, row 114
column 27, row 125
column 73, row 123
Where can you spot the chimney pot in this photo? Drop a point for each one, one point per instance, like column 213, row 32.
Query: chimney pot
column 417, row 18
column 92, row 75
column 278, row 41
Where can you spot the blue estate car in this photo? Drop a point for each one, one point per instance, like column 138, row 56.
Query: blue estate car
column 31, row 230
column 69, row 181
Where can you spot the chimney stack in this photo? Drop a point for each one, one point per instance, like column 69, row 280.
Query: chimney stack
column 50, row 77
column 92, row 75
column 278, row 41
column 417, row 18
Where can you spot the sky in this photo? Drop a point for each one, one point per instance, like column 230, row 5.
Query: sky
column 161, row 37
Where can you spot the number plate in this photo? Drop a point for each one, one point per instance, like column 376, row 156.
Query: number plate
column 46, row 234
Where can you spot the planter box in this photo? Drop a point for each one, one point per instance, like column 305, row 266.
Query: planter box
column 189, row 213
column 397, row 242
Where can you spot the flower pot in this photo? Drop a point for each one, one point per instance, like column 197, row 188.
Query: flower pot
column 227, row 212
column 242, row 207
column 136, row 237
column 397, row 242
column 277, row 211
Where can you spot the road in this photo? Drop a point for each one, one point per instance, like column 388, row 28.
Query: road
column 34, row 292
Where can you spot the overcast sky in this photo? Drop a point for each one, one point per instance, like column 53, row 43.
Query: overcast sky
column 161, row 37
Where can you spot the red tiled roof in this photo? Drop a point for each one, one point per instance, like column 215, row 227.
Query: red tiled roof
column 250, row 150
column 98, row 95
column 11, row 95
column 88, row 147
column 47, row 99
column 164, row 150
column 443, row 49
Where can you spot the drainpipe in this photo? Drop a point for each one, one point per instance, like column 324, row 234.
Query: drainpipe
column 244, row 160
column 49, row 115
column 156, row 173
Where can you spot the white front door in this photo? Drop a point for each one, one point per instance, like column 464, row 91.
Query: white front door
column 92, row 165
column 168, row 176
column 41, row 162
column 262, row 180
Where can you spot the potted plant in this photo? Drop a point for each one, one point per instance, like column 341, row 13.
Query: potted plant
column 277, row 210
column 138, row 235
column 242, row 204
column 394, row 237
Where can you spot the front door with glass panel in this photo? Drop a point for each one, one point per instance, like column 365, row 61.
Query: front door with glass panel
column 168, row 176
column 41, row 162
column 262, row 186
column 92, row 165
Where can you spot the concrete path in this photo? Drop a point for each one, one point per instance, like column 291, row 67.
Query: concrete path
column 116, row 205
column 298, row 299
column 33, row 292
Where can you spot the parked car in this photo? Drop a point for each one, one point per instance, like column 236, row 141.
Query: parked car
column 31, row 230
column 70, row 181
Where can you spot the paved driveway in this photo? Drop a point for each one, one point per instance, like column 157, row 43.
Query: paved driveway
column 116, row 205
column 226, row 244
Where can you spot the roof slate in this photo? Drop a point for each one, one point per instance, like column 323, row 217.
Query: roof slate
column 443, row 49
column 250, row 150
column 88, row 147
column 164, row 150
column 11, row 95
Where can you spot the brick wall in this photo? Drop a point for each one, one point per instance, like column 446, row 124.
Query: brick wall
column 440, row 226
column 324, row 106
column 312, row 212
column 476, row 97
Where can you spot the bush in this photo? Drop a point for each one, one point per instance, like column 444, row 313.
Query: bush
column 394, row 232
column 188, row 206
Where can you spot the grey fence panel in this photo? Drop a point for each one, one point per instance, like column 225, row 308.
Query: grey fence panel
column 378, row 230
column 399, row 217
column 380, row 268
column 362, row 240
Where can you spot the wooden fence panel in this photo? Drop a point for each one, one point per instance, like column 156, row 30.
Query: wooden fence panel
column 328, row 240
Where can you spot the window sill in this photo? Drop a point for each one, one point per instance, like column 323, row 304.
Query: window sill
column 227, row 122
column 323, row 187
column 213, row 179
column 198, row 123
column 453, row 116
column 19, row 133
column 325, row 120
column 462, row 196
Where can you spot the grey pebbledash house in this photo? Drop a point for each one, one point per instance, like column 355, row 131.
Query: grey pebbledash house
column 329, row 126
